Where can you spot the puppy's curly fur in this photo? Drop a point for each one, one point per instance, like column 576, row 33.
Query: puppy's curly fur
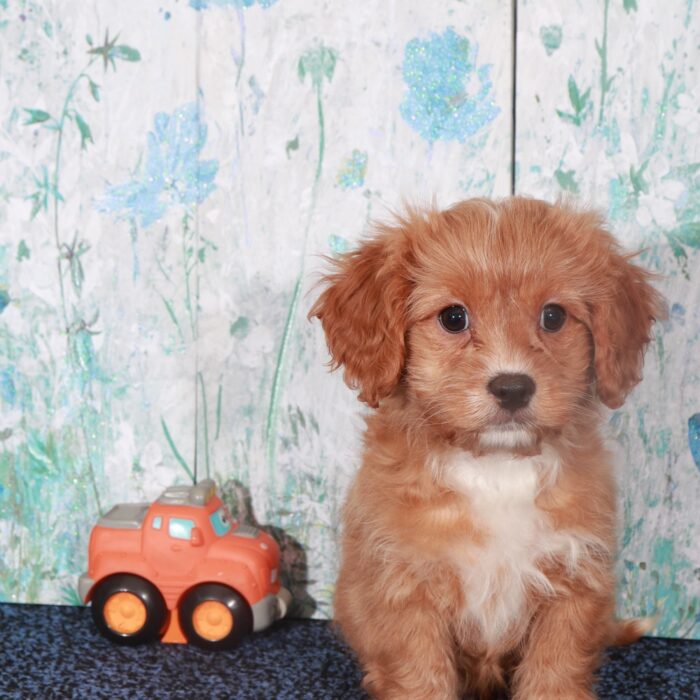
column 479, row 534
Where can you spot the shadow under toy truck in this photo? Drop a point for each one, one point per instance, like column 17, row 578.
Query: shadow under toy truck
column 180, row 569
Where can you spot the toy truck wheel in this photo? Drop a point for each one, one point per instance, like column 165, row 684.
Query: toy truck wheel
column 213, row 616
column 128, row 609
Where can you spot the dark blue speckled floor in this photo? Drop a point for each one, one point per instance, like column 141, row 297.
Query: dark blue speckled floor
column 51, row 652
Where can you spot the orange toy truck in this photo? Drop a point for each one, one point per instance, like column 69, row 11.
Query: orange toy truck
column 180, row 569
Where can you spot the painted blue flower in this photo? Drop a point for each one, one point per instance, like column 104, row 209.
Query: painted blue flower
column 694, row 437
column 449, row 97
column 4, row 300
column 352, row 174
column 204, row 4
column 173, row 174
column 8, row 391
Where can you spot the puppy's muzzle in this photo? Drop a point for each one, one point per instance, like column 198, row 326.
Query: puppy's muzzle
column 513, row 391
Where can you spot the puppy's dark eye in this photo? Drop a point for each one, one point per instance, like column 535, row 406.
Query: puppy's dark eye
column 552, row 318
column 454, row 319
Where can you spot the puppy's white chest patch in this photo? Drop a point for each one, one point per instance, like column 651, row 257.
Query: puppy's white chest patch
column 498, row 573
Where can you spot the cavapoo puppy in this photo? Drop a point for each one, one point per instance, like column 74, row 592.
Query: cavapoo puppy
column 479, row 534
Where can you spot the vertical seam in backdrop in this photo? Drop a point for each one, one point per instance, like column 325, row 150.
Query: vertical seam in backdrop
column 514, row 82
column 195, row 339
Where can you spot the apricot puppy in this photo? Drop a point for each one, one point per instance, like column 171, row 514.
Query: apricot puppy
column 479, row 534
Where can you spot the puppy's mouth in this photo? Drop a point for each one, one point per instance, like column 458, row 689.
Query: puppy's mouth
column 511, row 435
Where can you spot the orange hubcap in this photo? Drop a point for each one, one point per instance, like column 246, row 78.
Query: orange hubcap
column 125, row 613
column 212, row 620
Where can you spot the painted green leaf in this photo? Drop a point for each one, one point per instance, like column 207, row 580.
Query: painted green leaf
column 578, row 100
column 40, row 198
column 292, row 145
column 110, row 50
column 36, row 116
column 317, row 63
column 630, row 5
column 70, row 596
column 566, row 181
column 77, row 274
column 689, row 234
column 584, row 99
column 679, row 254
column 126, row 53
column 171, row 312
column 637, row 178
column 239, row 328
column 85, row 133
column 688, row 170
column 39, row 202
column 551, row 37
column 88, row 38
column 43, row 453
column 574, row 93
column 23, row 252
column 94, row 90
column 567, row 117
column 329, row 63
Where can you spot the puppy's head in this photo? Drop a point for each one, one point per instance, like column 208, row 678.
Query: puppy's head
column 499, row 321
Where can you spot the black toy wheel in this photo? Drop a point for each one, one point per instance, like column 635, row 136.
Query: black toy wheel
column 213, row 616
column 128, row 609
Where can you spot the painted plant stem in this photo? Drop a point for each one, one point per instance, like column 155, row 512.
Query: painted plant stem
column 602, row 49
column 175, row 451
column 187, row 253
column 57, row 238
column 321, row 150
column 318, row 63
column 56, row 177
column 205, row 412
column 240, row 59
column 219, row 395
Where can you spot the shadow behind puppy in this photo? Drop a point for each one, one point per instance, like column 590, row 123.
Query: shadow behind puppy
column 479, row 534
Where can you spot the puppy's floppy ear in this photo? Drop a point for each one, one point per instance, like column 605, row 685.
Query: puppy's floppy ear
column 363, row 313
column 621, row 321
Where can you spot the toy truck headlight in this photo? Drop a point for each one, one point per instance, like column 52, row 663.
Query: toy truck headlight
column 273, row 576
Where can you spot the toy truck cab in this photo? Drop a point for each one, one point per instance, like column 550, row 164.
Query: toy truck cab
column 182, row 569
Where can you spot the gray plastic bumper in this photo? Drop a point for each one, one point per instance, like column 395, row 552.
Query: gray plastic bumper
column 85, row 583
column 270, row 608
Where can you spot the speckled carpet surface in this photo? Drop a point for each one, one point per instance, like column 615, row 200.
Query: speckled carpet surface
column 55, row 652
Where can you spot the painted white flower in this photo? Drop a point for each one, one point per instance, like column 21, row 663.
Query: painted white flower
column 688, row 114
column 258, row 345
column 12, row 434
column 658, row 206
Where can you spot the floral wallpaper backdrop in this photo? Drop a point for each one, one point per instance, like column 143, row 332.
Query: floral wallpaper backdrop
column 608, row 112
column 171, row 174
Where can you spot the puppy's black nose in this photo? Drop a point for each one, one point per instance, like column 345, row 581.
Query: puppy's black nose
column 513, row 391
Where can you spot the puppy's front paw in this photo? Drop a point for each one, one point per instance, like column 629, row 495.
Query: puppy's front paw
column 549, row 691
column 408, row 682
